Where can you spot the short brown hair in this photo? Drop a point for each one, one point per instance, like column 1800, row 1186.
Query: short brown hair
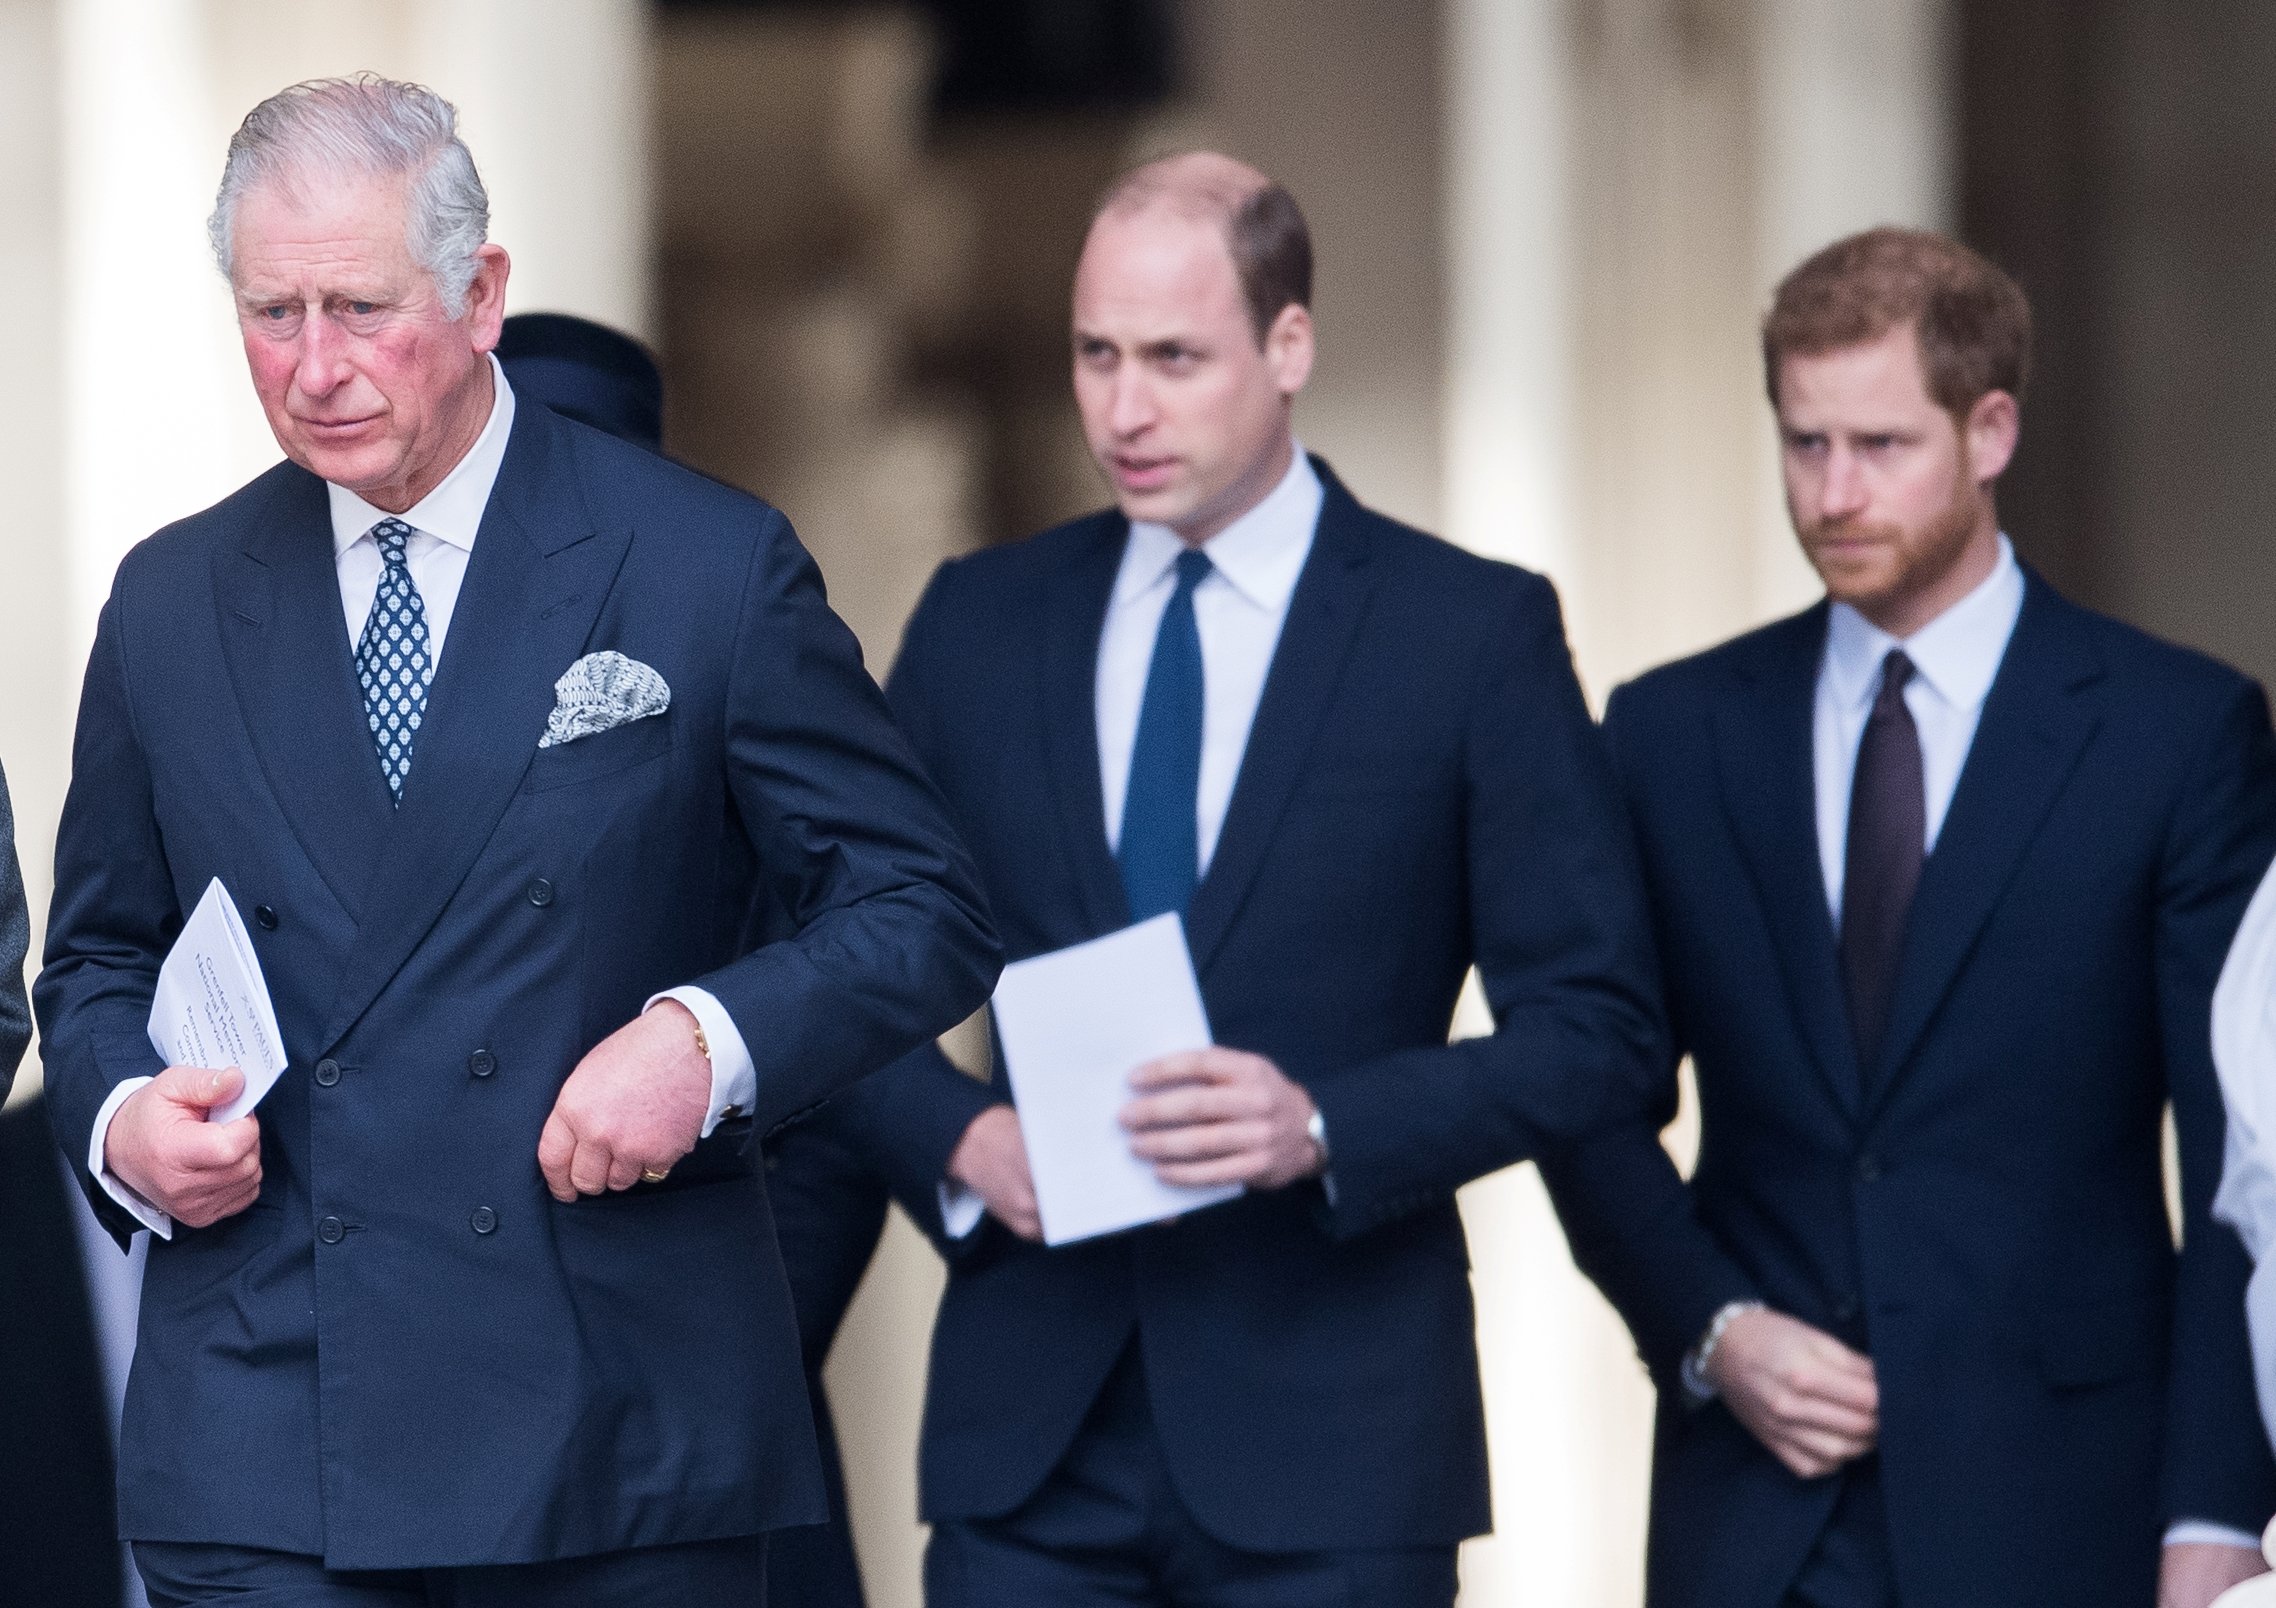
column 1973, row 322
column 1265, row 231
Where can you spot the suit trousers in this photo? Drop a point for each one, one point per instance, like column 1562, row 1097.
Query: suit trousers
column 696, row 1574
column 1850, row 1566
column 1108, row 1528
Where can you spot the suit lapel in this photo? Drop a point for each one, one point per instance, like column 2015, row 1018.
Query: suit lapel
column 1764, row 761
column 2035, row 726
column 534, row 585
column 287, row 647
column 1323, row 619
column 1070, row 704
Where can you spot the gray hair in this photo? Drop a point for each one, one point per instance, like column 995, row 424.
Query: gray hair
column 376, row 127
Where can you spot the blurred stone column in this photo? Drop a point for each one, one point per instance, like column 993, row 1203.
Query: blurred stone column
column 35, row 716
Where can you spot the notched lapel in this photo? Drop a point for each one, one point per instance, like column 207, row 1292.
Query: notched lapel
column 534, row 586
column 2037, row 721
column 1315, row 641
column 1763, row 750
column 287, row 647
column 1070, row 701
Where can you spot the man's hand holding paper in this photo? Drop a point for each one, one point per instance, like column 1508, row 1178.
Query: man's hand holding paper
column 161, row 1145
column 1219, row 1116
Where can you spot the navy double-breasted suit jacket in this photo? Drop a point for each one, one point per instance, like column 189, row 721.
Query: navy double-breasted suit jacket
column 1983, row 1212
column 405, row 1353
column 1422, row 790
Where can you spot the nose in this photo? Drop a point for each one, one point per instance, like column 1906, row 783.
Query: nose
column 323, row 366
column 1130, row 410
column 1843, row 494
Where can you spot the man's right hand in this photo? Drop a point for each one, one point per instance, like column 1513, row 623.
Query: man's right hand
column 1814, row 1402
column 160, row 1146
column 991, row 1161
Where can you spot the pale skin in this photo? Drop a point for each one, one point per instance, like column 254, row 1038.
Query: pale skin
column 1187, row 411
column 1891, row 496
column 369, row 383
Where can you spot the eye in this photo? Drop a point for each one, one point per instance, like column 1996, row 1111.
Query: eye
column 276, row 314
column 363, row 309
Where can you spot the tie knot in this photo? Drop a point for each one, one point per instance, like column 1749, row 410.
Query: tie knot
column 1896, row 671
column 1193, row 569
column 391, row 535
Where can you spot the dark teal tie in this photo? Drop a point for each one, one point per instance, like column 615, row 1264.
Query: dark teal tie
column 1160, row 849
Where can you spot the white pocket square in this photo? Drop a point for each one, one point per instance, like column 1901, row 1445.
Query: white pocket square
column 600, row 692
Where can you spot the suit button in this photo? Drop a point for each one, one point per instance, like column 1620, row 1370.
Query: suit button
column 331, row 1230
column 266, row 917
column 484, row 1220
column 1868, row 1169
column 540, row 892
column 482, row 1063
column 327, row 1073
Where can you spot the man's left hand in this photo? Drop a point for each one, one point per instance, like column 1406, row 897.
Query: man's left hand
column 2193, row 1573
column 1221, row 1116
column 634, row 1105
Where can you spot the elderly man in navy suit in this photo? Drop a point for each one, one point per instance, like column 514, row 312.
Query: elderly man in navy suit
column 1943, row 870
column 1357, row 761
column 496, row 729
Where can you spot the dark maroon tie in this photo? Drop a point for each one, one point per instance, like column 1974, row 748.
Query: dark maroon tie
column 1888, row 836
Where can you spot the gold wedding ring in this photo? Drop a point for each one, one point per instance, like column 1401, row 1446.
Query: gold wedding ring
column 649, row 1175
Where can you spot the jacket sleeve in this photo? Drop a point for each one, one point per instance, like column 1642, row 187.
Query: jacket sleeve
column 908, row 1118
column 891, row 942
column 113, row 917
column 2218, row 1465
column 1627, row 1213
column 15, row 941
column 1561, row 945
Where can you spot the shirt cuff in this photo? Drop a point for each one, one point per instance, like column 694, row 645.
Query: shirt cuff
column 149, row 1216
column 734, row 1080
column 960, row 1209
column 2204, row 1533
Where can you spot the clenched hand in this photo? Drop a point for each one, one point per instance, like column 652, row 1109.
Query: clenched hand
column 635, row 1104
column 991, row 1161
column 1221, row 1116
column 1814, row 1402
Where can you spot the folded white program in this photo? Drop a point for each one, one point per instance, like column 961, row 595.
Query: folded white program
column 212, row 1009
column 1074, row 1024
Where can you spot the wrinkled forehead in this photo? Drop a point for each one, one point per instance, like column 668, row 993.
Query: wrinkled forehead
column 295, row 218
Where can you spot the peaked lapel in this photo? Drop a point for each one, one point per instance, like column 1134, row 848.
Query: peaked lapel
column 534, row 585
column 1323, row 619
column 1069, row 667
column 2035, row 726
column 1764, row 752
column 286, row 643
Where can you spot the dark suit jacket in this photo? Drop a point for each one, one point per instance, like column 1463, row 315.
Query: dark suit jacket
column 406, row 1354
column 829, row 1211
column 1422, row 790
column 59, row 1545
column 1983, row 1211
column 15, row 941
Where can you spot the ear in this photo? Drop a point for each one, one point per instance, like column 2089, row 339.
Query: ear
column 486, row 296
column 1993, row 427
column 1288, row 349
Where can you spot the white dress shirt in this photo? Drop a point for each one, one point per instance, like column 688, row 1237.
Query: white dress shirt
column 1954, row 657
column 444, row 524
column 1238, row 608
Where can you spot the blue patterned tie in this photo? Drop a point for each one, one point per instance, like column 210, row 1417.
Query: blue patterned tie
column 392, row 660
column 1160, row 850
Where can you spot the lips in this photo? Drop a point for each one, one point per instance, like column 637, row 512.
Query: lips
column 1143, row 474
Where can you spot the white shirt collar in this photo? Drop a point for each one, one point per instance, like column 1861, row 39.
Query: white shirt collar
column 1259, row 554
column 452, row 512
column 1957, row 653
